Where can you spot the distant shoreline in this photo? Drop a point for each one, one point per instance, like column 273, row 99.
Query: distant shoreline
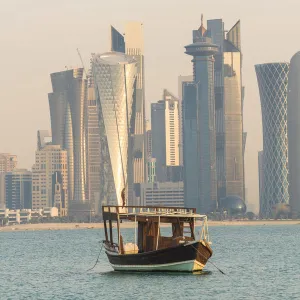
column 74, row 226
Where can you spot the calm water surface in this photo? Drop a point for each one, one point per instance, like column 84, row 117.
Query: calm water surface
column 262, row 262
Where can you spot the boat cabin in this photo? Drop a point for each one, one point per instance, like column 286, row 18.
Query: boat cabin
column 148, row 224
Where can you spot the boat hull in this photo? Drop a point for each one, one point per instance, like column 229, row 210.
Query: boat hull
column 185, row 266
column 189, row 257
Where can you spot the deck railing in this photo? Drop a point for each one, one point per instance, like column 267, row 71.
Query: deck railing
column 155, row 210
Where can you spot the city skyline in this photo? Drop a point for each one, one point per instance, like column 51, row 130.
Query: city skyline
column 149, row 140
column 92, row 18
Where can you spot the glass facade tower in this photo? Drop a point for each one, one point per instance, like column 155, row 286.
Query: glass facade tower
column 117, row 41
column 165, row 133
column 229, row 94
column 68, row 112
column 18, row 193
column 261, row 180
column 93, row 148
column 115, row 81
column 205, row 191
column 158, row 127
column 294, row 133
column 181, row 80
column 273, row 88
column 134, row 47
column 190, row 142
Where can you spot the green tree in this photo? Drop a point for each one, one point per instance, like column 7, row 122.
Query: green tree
column 250, row 215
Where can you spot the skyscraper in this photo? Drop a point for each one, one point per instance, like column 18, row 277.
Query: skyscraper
column 44, row 138
column 190, row 145
column 134, row 47
column 149, row 139
column 199, row 126
column 59, row 193
column 18, row 189
column 151, row 169
column 181, row 81
column 229, row 97
column 49, row 161
column 158, row 137
column 165, row 133
column 117, row 40
column 68, row 111
column 8, row 163
column 93, row 149
column 261, row 180
column 293, row 117
column 272, row 81
column 115, row 80
column 2, row 190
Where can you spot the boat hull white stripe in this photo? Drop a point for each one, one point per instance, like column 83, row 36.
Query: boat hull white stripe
column 184, row 266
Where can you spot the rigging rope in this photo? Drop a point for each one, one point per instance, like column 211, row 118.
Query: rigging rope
column 210, row 261
column 96, row 260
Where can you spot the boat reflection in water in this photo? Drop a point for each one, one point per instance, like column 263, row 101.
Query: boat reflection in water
column 151, row 251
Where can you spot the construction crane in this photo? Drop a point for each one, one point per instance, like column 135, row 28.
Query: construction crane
column 80, row 57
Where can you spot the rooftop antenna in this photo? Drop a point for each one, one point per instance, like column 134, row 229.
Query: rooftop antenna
column 201, row 19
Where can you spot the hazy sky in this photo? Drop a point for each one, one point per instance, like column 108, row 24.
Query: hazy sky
column 38, row 37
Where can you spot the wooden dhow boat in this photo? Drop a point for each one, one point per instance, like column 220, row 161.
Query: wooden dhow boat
column 151, row 250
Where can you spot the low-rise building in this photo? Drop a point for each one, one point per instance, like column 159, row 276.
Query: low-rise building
column 8, row 163
column 18, row 185
column 19, row 216
column 162, row 194
column 50, row 212
column 49, row 172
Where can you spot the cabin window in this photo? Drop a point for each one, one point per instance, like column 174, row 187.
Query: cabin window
column 127, row 242
column 166, row 230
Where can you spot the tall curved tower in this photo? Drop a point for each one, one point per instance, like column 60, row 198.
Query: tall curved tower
column 67, row 104
column 200, row 163
column 115, row 78
column 273, row 86
column 294, row 132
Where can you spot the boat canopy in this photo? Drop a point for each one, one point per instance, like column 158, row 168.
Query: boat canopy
column 147, row 220
column 166, row 214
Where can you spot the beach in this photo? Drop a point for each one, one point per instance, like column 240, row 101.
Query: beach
column 73, row 226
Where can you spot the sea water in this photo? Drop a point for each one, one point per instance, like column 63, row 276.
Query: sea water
column 260, row 262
